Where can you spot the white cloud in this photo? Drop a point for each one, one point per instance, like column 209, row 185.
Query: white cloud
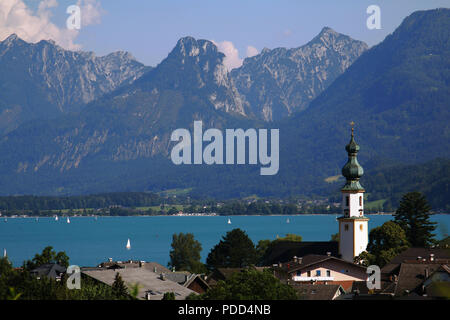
column 251, row 51
column 232, row 59
column 16, row 17
column 91, row 12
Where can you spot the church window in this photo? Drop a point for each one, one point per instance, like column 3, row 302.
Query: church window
column 346, row 227
column 361, row 227
column 347, row 201
column 360, row 201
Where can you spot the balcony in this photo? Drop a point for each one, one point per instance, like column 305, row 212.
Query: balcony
column 300, row 278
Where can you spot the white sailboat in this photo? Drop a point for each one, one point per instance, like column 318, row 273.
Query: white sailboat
column 128, row 246
column 229, row 221
column 68, row 220
column 56, row 218
column 4, row 253
column 288, row 221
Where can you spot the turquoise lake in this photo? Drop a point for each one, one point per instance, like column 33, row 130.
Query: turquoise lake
column 88, row 241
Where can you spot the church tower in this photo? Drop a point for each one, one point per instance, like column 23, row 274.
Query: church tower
column 353, row 225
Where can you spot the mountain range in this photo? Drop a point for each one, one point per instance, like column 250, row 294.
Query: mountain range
column 115, row 135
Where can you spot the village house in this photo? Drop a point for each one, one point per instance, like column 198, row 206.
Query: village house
column 416, row 273
column 320, row 269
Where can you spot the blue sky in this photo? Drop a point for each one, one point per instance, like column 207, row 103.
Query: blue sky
column 149, row 29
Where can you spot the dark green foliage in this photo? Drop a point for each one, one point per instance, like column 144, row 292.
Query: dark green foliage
column 118, row 287
column 185, row 253
column 169, row 296
column 125, row 199
column 48, row 255
column 250, row 284
column 391, row 182
column 385, row 242
column 413, row 215
column 235, row 250
column 19, row 284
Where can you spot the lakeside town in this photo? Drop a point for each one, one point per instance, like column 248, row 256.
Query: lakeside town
column 401, row 259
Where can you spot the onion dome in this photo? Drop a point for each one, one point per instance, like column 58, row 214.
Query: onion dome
column 352, row 170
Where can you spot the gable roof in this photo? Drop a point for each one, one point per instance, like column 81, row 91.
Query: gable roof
column 51, row 270
column 308, row 291
column 149, row 281
column 412, row 254
column 310, row 260
column 283, row 251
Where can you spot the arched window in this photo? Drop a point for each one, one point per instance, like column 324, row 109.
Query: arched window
column 360, row 201
column 361, row 227
column 347, row 201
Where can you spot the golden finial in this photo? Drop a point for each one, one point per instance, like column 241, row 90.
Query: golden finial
column 352, row 124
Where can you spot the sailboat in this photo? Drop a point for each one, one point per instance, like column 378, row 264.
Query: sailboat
column 95, row 217
column 4, row 253
column 37, row 219
column 68, row 220
column 56, row 218
column 6, row 219
column 288, row 221
column 229, row 221
column 128, row 246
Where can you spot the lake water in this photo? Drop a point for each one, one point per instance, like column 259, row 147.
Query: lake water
column 88, row 241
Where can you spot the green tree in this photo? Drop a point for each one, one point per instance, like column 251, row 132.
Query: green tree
column 250, row 284
column 235, row 250
column 169, row 296
column 261, row 249
column 335, row 237
column 413, row 215
column 119, row 288
column 48, row 255
column 185, row 253
column 385, row 242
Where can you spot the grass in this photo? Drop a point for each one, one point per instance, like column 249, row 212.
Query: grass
column 374, row 205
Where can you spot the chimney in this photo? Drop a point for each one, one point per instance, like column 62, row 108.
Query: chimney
column 155, row 270
column 162, row 276
column 295, row 259
column 328, row 253
column 419, row 258
column 110, row 259
column 431, row 256
column 141, row 264
column 299, row 260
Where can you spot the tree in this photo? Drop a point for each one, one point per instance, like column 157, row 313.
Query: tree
column 48, row 255
column 185, row 253
column 235, row 250
column 169, row 296
column 385, row 242
column 335, row 237
column 413, row 215
column 119, row 288
column 261, row 249
column 250, row 284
